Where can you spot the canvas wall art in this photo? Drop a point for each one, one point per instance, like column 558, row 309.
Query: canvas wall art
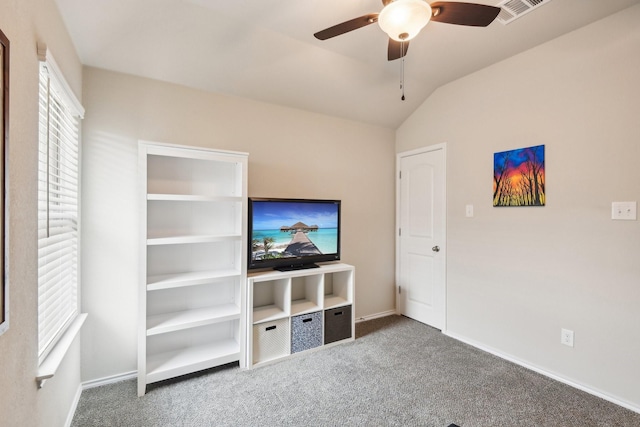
column 518, row 177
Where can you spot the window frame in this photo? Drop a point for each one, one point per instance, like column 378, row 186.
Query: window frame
column 66, row 118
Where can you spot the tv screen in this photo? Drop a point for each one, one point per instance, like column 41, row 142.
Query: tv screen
column 288, row 234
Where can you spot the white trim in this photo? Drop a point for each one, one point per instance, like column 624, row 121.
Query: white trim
column 74, row 406
column 542, row 371
column 51, row 363
column 112, row 379
column 67, row 94
column 376, row 316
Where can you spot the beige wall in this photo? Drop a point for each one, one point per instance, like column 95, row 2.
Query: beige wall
column 292, row 153
column 22, row 404
column 516, row 276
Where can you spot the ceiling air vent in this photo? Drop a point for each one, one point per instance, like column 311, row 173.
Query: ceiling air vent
column 514, row 9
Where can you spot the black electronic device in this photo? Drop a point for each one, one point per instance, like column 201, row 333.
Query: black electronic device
column 289, row 234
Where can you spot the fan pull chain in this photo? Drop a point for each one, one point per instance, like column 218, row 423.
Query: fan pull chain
column 402, row 69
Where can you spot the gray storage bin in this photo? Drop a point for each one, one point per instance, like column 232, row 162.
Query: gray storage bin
column 306, row 331
column 337, row 324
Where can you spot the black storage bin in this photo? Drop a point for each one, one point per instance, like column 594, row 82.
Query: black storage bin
column 337, row 324
column 306, row 331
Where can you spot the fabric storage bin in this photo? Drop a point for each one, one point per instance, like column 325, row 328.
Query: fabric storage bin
column 306, row 331
column 270, row 340
column 337, row 324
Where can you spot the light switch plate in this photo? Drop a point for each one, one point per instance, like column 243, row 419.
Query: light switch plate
column 625, row 211
column 469, row 211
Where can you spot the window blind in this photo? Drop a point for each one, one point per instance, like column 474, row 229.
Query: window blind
column 58, row 225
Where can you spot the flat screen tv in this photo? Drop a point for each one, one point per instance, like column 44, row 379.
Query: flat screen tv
column 289, row 234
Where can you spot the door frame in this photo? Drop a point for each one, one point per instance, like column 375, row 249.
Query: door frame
column 442, row 146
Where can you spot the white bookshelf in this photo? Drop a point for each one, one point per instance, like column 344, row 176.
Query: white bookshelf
column 193, row 260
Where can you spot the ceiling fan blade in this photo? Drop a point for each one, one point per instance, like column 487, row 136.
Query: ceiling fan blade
column 396, row 49
column 347, row 26
column 472, row 14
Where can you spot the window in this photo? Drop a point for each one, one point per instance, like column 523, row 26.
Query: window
column 58, row 207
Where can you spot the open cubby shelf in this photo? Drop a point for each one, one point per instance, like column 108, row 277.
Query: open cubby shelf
column 285, row 309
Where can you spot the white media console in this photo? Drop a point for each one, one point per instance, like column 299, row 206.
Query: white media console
column 295, row 311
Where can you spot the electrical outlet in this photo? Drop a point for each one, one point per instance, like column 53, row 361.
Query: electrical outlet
column 566, row 337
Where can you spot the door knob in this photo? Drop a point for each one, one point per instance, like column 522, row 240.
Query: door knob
column 436, row 249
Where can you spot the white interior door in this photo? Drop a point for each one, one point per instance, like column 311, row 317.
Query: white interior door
column 421, row 242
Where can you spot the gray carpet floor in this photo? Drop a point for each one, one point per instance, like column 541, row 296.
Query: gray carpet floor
column 397, row 372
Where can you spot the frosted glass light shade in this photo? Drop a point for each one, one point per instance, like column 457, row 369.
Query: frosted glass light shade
column 403, row 19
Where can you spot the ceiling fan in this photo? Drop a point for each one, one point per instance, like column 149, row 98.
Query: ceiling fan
column 402, row 20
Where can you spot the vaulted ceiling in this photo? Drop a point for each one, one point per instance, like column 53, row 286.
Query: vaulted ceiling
column 265, row 49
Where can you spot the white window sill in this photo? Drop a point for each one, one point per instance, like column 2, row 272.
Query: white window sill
column 49, row 366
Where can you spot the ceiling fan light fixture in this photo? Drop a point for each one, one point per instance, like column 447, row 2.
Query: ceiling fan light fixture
column 402, row 20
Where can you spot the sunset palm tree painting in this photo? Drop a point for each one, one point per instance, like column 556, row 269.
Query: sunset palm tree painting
column 518, row 177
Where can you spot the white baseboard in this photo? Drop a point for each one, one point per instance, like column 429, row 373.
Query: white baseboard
column 554, row 376
column 74, row 406
column 375, row 316
column 109, row 380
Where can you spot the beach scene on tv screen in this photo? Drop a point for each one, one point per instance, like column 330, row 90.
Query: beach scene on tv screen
column 293, row 229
